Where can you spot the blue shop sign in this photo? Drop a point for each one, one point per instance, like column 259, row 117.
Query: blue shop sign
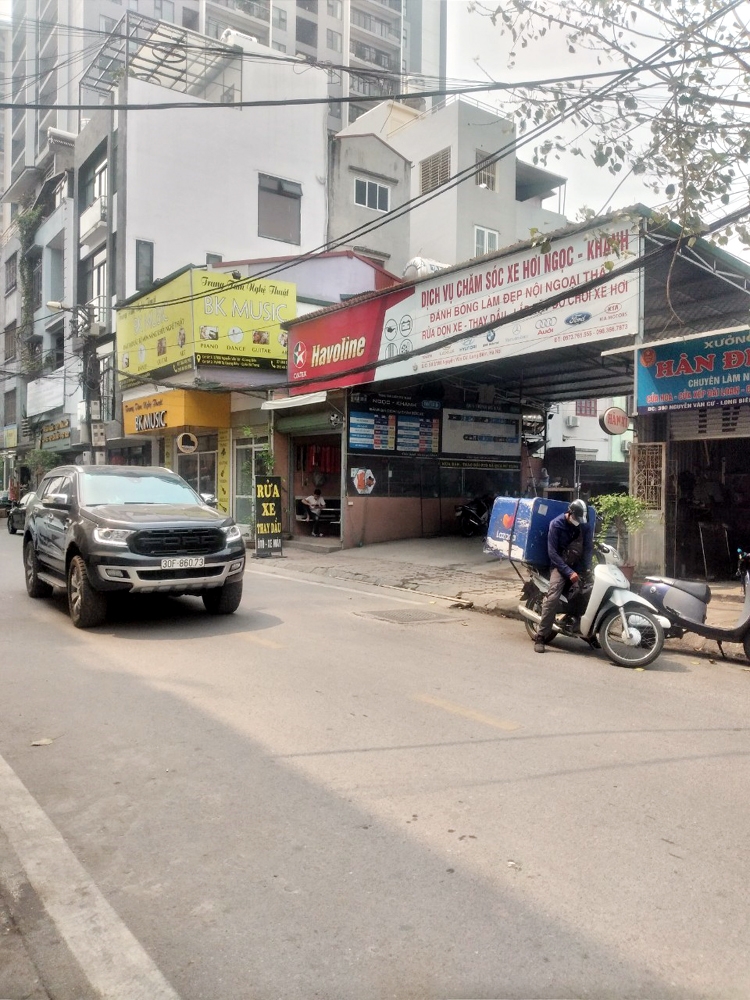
column 711, row 370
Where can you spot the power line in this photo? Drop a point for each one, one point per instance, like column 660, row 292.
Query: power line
column 462, row 175
column 663, row 250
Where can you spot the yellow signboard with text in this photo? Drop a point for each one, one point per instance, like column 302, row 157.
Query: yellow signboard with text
column 204, row 318
column 165, row 412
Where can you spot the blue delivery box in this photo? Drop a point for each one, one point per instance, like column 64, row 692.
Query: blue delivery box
column 518, row 528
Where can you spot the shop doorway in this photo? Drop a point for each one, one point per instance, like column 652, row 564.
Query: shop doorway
column 250, row 459
column 199, row 468
column 708, row 507
column 317, row 465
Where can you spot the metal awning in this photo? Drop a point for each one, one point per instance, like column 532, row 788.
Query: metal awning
column 168, row 56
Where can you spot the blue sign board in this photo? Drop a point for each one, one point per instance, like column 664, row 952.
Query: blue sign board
column 712, row 370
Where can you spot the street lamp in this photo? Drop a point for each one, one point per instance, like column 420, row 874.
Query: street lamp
column 81, row 323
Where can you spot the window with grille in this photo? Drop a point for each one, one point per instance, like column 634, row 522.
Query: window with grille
column 435, row 170
column 11, row 343
column 372, row 195
column 485, row 240
column 10, row 407
column 586, row 408
column 11, row 273
column 485, row 176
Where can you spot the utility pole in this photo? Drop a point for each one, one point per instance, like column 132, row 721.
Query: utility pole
column 91, row 428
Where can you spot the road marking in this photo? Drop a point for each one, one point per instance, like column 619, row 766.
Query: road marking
column 110, row 957
column 347, row 590
column 507, row 725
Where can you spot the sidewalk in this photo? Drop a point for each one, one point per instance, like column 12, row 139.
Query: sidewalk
column 456, row 569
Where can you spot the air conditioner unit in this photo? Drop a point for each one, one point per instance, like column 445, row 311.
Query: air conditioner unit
column 572, row 421
column 625, row 447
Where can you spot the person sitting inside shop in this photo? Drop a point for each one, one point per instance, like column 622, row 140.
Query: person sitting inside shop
column 315, row 504
column 570, row 546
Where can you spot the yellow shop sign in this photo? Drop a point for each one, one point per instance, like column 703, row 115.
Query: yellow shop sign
column 167, row 412
column 204, row 318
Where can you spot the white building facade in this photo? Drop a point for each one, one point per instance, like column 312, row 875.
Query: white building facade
column 396, row 153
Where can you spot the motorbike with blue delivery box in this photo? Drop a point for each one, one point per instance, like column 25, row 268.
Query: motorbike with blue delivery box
column 605, row 613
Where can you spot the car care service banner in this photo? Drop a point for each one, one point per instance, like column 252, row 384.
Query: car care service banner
column 710, row 370
column 458, row 301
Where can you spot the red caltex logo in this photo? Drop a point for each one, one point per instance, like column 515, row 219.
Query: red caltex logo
column 300, row 354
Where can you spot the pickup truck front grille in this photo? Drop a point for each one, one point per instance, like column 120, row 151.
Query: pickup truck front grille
column 177, row 541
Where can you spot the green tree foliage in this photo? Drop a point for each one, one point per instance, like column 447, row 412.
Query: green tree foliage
column 675, row 110
column 622, row 512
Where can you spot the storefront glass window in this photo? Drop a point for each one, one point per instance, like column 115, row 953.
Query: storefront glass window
column 199, row 469
column 247, row 462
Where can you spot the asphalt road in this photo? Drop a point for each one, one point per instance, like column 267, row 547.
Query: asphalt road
column 305, row 800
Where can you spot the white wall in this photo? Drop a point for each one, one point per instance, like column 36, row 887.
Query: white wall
column 443, row 228
column 192, row 175
column 325, row 278
column 532, row 214
column 588, row 435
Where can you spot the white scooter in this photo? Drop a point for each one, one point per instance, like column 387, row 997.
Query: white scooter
column 625, row 625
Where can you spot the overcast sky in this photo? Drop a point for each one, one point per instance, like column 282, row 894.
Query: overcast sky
column 477, row 48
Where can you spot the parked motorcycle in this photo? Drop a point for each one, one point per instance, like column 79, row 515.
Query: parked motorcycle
column 606, row 614
column 474, row 516
column 685, row 604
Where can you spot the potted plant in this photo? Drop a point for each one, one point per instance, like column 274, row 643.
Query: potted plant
column 625, row 514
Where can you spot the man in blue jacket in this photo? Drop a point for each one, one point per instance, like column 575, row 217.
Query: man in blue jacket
column 570, row 544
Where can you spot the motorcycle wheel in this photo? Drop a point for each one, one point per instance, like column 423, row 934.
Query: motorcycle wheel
column 468, row 528
column 617, row 646
column 534, row 603
column 746, row 645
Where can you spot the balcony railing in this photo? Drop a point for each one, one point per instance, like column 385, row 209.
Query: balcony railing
column 255, row 8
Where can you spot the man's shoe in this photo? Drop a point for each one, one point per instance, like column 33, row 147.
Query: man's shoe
column 539, row 647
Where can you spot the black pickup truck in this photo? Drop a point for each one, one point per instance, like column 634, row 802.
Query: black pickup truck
column 98, row 529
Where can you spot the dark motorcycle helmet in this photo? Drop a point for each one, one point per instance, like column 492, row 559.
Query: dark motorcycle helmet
column 577, row 511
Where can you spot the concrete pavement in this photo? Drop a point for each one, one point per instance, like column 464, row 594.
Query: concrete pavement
column 456, row 569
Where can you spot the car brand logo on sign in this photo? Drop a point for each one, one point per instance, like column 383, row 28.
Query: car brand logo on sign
column 576, row 319
column 300, row 353
column 614, row 420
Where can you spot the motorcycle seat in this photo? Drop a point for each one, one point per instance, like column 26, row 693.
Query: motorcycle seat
column 701, row 591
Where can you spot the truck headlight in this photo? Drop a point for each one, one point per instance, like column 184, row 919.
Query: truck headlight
column 232, row 533
column 112, row 536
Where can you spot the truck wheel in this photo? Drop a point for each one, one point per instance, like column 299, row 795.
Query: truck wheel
column 638, row 647
column 223, row 600
column 88, row 607
column 34, row 586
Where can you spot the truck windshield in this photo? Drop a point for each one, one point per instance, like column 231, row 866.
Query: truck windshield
column 129, row 489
